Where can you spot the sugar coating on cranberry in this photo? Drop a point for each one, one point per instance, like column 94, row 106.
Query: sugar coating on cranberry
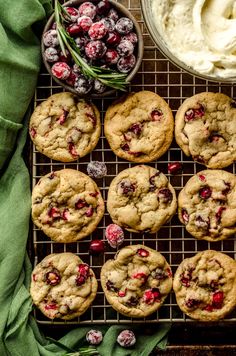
column 97, row 169
column 111, row 56
column 132, row 37
column 126, row 187
column 81, row 43
column 124, row 25
column 108, row 23
column 84, row 22
column 113, row 14
column 87, row 9
column 61, row 70
column 114, row 235
column 95, row 49
column 99, row 87
column 125, row 48
column 165, row 195
column 97, row 31
column 73, row 13
column 103, row 7
column 94, row 337
column 83, row 85
column 126, row 64
column 51, row 54
column 126, row 338
column 50, row 38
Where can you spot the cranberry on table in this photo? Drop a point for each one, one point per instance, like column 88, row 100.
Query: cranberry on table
column 97, row 169
column 124, row 25
column 95, row 49
column 87, row 9
column 103, row 7
column 126, row 64
column 111, row 56
column 50, row 38
column 113, row 14
column 96, row 247
column 126, row 338
column 83, row 85
column 99, row 87
column 84, row 23
column 97, row 31
column 132, row 37
column 94, row 337
column 73, row 12
column 114, row 235
column 175, row 167
column 61, row 70
column 51, row 54
column 113, row 38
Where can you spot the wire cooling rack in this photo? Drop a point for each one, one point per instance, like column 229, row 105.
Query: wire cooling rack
column 173, row 241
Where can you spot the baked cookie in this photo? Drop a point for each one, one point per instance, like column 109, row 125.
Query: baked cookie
column 205, row 285
column 141, row 199
column 137, row 281
column 64, row 127
column 207, row 205
column 67, row 205
column 63, row 286
column 205, row 128
column 139, row 127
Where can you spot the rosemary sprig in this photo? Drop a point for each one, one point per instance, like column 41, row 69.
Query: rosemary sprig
column 106, row 76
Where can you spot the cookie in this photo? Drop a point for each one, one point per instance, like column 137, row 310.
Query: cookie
column 205, row 128
column 141, row 199
column 205, row 285
column 64, row 127
column 67, row 205
column 137, row 281
column 62, row 286
column 139, row 127
column 207, row 205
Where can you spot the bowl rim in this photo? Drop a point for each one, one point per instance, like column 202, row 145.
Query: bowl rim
column 139, row 49
column 160, row 44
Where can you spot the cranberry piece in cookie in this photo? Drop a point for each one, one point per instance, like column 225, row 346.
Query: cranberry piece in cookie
column 195, row 113
column 124, row 25
column 53, row 277
column 165, row 195
column 142, row 252
column 156, row 115
column 217, row 299
column 205, row 192
column 136, row 128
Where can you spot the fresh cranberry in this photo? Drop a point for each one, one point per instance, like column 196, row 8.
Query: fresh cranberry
column 125, row 48
column 99, row 87
column 142, row 252
column 113, row 14
column 73, row 29
column 96, row 247
column 65, row 214
column 72, row 79
column 72, row 149
column 127, row 187
column 126, row 338
column 50, row 38
column 125, row 64
column 84, row 22
column 114, row 235
column 51, row 55
column 185, row 216
column 201, row 223
column 52, row 306
column 54, row 213
column 103, row 7
column 219, row 214
column 192, row 114
column 61, row 70
column 97, row 169
column 140, row 275
column 53, row 277
column 136, row 128
column 113, row 38
column 175, row 167
column 111, row 56
column 205, row 192
column 124, row 25
column 192, row 303
column 109, row 24
column 94, row 337
column 95, row 49
column 151, row 296
column 156, row 115
column 63, row 117
column 122, row 293
column 94, row 195
column 80, row 204
column 110, row 286
column 83, row 85
column 97, row 31
column 202, row 177
column 217, row 299
column 64, row 57
column 87, row 9
column 165, row 195
column 132, row 37
column 73, row 13
column 33, row 132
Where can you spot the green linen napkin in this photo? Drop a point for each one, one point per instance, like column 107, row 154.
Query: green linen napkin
column 20, row 23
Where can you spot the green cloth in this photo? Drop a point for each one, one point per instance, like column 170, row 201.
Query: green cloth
column 21, row 23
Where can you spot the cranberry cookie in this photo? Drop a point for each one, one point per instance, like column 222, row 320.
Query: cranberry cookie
column 67, row 205
column 65, row 127
column 205, row 285
column 205, row 128
column 139, row 127
column 141, row 199
column 63, row 286
column 207, row 205
column 137, row 281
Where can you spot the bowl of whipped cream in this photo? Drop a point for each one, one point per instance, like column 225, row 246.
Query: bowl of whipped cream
column 198, row 36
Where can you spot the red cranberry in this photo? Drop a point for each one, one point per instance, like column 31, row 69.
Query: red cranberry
column 151, row 296
column 219, row 214
column 113, row 14
column 126, row 64
column 50, row 38
column 89, row 212
column 52, row 176
column 205, row 192
column 53, row 277
column 63, row 117
column 122, row 293
column 113, row 38
column 97, row 169
column 125, row 48
column 72, row 149
column 152, row 181
column 186, row 277
column 217, row 299
column 126, row 338
column 111, row 56
column 73, row 12
column 97, row 31
column 80, row 204
column 140, row 275
column 208, row 308
column 156, row 115
column 52, row 306
column 175, row 167
column 110, row 286
column 114, row 235
column 99, row 87
column 132, row 37
column 165, row 195
column 84, row 22
column 81, row 43
column 185, row 216
column 65, row 214
column 96, row 247
column 34, row 277
column 95, row 49
column 92, row 118
column 103, row 7
column 109, row 24
column 127, row 187
column 202, row 177
column 74, row 29
column 136, row 128
column 54, row 213
column 87, row 9
column 94, row 195
column 192, row 303
column 94, row 337
column 51, row 55
column 124, row 25
column 142, row 252
column 61, row 70
column 192, row 114
column 72, row 79
column 33, row 132
column 83, row 85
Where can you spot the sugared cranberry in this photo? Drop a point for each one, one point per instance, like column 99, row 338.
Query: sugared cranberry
column 140, row 275
column 125, row 64
column 202, row 178
column 72, row 78
column 83, row 85
column 165, row 195
column 205, row 192
column 156, row 115
column 61, row 70
column 109, row 24
column 136, row 128
column 33, row 132
column 201, row 223
column 81, row 42
column 113, row 38
column 99, row 87
column 50, row 38
column 124, row 25
column 217, row 299
column 97, row 169
column 132, row 37
column 127, row 187
column 73, row 13
column 84, row 22
column 111, row 56
column 175, row 167
column 113, row 14
column 192, row 114
column 96, row 247
column 192, row 303
column 97, row 31
column 94, row 337
column 219, row 214
column 185, row 216
column 126, row 338
column 103, row 7
column 87, row 9
column 53, row 277
column 80, row 204
column 114, row 235
column 54, row 213
column 74, row 29
column 151, row 296
column 125, row 48
column 95, row 49
column 72, row 149
column 110, row 286
column 63, row 117
column 142, row 252
column 89, row 212
column 51, row 55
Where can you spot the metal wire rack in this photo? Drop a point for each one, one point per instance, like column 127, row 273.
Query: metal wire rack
column 173, row 241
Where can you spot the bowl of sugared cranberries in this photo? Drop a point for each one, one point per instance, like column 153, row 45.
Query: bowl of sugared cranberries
column 107, row 37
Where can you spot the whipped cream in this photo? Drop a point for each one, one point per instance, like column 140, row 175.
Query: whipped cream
column 200, row 33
